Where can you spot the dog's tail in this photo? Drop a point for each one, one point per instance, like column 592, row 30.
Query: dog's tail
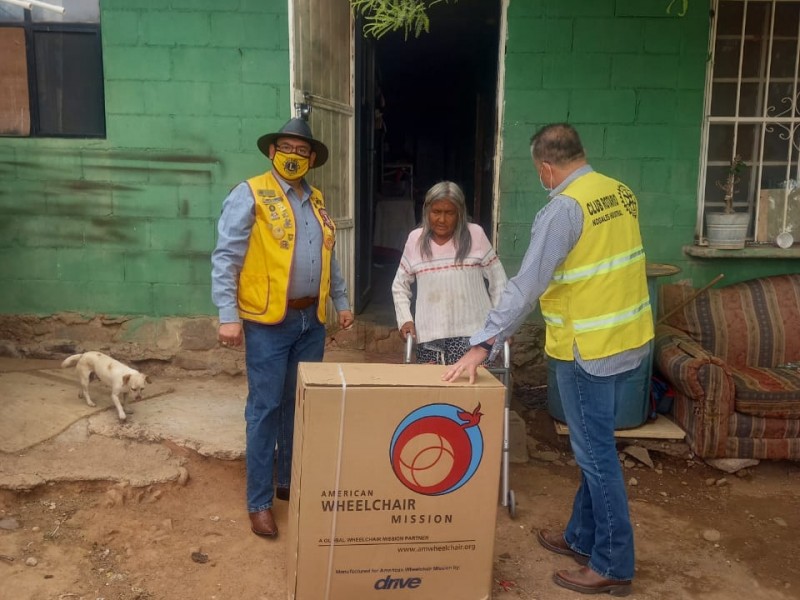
column 71, row 361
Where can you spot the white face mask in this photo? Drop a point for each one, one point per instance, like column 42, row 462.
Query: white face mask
column 541, row 181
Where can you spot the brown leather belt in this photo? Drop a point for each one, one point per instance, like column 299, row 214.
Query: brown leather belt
column 301, row 303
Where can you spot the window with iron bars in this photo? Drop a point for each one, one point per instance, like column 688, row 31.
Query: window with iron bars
column 752, row 112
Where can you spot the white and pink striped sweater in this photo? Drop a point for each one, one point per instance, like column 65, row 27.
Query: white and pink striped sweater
column 452, row 300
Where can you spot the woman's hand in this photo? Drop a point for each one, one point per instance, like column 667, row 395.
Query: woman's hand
column 408, row 328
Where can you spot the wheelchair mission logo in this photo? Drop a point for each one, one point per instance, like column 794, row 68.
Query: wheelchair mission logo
column 437, row 448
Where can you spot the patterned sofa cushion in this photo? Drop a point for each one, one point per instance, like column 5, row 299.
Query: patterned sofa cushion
column 748, row 324
column 769, row 393
column 749, row 426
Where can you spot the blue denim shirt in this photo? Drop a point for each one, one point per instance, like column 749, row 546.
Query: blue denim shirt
column 235, row 224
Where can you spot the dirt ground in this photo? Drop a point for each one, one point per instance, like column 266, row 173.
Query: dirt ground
column 191, row 540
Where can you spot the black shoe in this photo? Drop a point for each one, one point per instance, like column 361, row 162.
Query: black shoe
column 282, row 493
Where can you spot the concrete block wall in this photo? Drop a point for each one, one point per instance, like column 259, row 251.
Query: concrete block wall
column 126, row 224
column 630, row 77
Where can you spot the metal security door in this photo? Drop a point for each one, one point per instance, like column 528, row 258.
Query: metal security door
column 321, row 42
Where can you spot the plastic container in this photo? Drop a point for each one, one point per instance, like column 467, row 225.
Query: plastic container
column 632, row 407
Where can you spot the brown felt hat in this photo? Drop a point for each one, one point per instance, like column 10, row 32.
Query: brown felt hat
column 295, row 128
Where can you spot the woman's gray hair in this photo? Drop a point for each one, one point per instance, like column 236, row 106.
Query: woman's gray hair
column 446, row 190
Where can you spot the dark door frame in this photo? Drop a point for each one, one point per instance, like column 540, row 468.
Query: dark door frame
column 364, row 165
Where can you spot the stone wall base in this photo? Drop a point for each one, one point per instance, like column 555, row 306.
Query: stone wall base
column 156, row 345
column 172, row 345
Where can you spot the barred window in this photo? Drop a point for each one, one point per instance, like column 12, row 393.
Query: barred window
column 51, row 72
column 751, row 111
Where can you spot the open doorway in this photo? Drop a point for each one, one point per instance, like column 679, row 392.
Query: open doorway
column 426, row 112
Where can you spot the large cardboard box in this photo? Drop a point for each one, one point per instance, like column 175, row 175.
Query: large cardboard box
column 395, row 480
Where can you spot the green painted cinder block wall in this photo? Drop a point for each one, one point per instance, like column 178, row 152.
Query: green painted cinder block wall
column 631, row 78
column 125, row 225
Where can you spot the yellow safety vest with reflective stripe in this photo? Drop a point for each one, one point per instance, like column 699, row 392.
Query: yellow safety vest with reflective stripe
column 264, row 279
column 598, row 298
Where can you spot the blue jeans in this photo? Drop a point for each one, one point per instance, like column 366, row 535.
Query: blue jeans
column 272, row 354
column 600, row 525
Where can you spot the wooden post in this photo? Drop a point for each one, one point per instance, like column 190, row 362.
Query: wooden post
column 690, row 298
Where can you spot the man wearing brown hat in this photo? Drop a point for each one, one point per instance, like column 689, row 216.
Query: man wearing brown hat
column 273, row 271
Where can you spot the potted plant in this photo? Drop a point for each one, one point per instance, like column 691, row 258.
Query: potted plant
column 727, row 230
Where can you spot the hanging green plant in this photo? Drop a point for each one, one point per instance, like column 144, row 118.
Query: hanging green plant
column 682, row 11
column 384, row 16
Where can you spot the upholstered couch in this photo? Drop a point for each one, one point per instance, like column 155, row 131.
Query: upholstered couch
column 732, row 357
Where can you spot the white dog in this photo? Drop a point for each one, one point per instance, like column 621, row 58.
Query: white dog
column 122, row 379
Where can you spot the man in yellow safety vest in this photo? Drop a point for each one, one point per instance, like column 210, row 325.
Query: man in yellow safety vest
column 586, row 266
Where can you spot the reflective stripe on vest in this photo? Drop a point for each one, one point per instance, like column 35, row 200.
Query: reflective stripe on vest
column 553, row 319
column 610, row 320
column 620, row 261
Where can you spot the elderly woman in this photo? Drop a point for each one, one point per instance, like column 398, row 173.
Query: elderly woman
column 452, row 262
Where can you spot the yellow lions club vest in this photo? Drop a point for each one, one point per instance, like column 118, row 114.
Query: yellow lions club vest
column 264, row 279
column 598, row 298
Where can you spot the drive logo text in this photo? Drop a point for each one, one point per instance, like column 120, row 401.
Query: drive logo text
column 399, row 583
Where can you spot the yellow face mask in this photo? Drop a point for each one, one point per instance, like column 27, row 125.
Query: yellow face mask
column 290, row 166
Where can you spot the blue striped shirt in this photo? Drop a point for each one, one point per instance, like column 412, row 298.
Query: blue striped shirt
column 555, row 231
column 235, row 225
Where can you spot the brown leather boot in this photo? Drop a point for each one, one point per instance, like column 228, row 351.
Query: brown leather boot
column 554, row 541
column 263, row 523
column 586, row 581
